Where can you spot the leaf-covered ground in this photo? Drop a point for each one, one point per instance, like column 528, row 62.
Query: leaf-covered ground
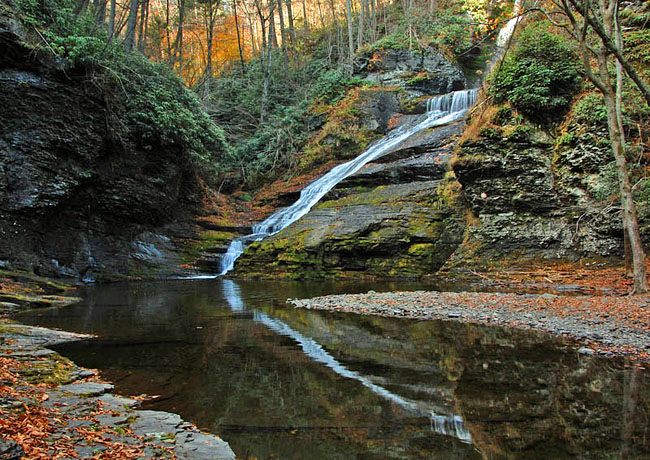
column 589, row 304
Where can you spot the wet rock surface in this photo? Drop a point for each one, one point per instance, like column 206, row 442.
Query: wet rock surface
column 85, row 407
column 532, row 200
column 390, row 219
column 73, row 201
column 422, row 72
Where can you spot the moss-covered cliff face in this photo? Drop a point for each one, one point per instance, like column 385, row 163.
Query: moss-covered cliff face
column 74, row 201
column 533, row 197
column 510, row 195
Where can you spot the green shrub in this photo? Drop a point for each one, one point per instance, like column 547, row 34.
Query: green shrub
column 590, row 111
column 540, row 77
column 503, row 115
column 396, row 41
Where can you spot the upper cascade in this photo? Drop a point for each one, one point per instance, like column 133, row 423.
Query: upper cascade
column 441, row 110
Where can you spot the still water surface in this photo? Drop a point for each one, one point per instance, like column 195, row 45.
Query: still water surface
column 284, row 383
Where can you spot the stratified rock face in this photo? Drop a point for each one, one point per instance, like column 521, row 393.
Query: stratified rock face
column 390, row 219
column 72, row 201
column 425, row 72
column 527, row 202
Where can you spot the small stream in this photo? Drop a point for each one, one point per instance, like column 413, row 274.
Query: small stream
column 285, row 383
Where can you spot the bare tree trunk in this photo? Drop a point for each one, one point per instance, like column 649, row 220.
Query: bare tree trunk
column 627, row 249
column 179, row 36
column 292, row 30
column 611, row 46
column 265, row 58
column 129, row 40
column 283, row 35
column 348, row 16
column 304, row 13
column 140, row 45
column 239, row 47
column 273, row 37
column 111, row 22
column 360, row 31
column 100, row 11
column 373, row 21
column 604, row 85
column 170, row 57
column 207, row 78
column 613, row 104
column 81, row 5
column 320, row 14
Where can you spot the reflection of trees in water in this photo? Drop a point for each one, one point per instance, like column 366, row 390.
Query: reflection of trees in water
column 523, row 395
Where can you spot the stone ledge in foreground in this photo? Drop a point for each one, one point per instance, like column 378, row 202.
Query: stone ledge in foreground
column 90, row 406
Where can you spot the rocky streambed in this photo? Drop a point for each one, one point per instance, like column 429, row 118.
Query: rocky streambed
column 604, row 324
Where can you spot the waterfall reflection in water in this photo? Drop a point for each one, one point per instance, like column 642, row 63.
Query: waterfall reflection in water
column 449, row 425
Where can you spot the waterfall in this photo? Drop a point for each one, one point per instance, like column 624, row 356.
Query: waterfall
column 506, row 31
column 440, row 111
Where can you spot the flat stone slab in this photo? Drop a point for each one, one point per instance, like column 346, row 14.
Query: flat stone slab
column 113, row 402
column 87, row 388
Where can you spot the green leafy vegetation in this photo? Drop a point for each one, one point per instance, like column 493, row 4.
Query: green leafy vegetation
column 264, row 150
column 540, row 77
column 147, row 105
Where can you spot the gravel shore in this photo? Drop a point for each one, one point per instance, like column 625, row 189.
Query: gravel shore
column 611, row 325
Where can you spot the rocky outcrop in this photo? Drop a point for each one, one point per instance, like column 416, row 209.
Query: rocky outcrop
column 392, row 218
column 420, row 72
column 531, row 200
column 73, row 200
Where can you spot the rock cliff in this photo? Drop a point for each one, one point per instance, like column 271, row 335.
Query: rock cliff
column 73, row 200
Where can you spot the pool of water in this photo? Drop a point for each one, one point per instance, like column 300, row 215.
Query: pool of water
column 284, row 383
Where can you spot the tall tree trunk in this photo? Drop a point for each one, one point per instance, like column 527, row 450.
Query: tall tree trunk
column 304, row 14
column 239, row 45
column 100, row 11
column 613, row 104
column 609, row 44
column 129, row 40
column 348, row 16
column 603, row 82
column 140, row 45
column 627, row 249
column 283, row 35
column 207, row 78
column 373, row 21
column 361, row 18
column 179, row 36
column 292, row 30
column 81, row 5
column 273, row 37
column 265, row 58
column 111, row 21
column 320, row 14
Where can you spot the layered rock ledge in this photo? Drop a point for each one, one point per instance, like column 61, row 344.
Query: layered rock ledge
column 51, row 408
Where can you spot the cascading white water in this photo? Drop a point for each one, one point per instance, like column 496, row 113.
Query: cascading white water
column 506, row 31
column 440, row 111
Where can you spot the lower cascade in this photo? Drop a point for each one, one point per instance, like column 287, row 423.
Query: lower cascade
column 441, row 110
